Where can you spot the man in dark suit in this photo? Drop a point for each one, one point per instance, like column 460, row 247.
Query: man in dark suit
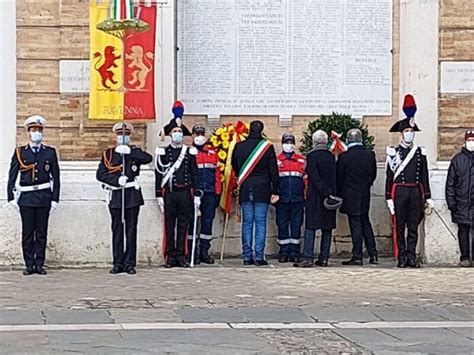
column 356, row 173
column 255, row 164
column 38, row 192
column 117, row 181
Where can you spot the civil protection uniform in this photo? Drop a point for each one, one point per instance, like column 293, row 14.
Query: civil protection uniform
column 210, row 183
column 108, row 173
column 290, row 207
column 38, row 188
column 176, row 181
column 407, row 184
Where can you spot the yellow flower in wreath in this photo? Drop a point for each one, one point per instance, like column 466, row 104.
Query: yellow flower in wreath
column 222, row 155
column 221, row 166
column 219, row 131
column 225, row 136
column 225, row 144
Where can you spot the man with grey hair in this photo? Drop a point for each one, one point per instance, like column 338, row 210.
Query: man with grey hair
column 321, row 172
column 356, row 173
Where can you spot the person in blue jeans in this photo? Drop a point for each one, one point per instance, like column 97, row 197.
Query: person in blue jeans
column 255, row 165
column 321, row 171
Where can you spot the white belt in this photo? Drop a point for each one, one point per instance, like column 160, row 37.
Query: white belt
column 290, row 173
column 128, row 185
column 46, row 185
column 207, row 165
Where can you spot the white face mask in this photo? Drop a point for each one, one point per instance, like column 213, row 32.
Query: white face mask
column 409, row 136
column 288, row 148
column 470, row 146
column 200, row 140
column 36, row 137
column 177, row 137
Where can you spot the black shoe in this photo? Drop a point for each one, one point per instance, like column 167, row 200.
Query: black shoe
column 283, row 259
column 40, row 270
column 131, row 271
column 261, row 263
column 116, row 270
column 248, row 262
column 413, row 263
column 207, row 259
column 28, row 271
column 168, row 263
column 374, row 260
column 294, row 259
column 304, row 263
column 353, row 261
column 322, row 263
column 181, row 262
column 402, row 264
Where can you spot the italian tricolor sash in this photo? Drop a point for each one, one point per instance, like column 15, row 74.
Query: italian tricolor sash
column 253, row 160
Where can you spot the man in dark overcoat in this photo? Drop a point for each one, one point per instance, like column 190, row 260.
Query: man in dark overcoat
column 321, row 171
column 356, row 173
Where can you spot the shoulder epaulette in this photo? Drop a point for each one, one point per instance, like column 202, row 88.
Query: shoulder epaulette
column 391, row 150
column 160, row 151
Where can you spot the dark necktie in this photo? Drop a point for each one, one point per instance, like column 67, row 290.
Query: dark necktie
column 35, row 150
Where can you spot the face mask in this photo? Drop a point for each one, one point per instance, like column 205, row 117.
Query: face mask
column 409, row 136
column 288, row 148
column 123, row 140
column 200, row 140
column 470, row 146
column 36, row 137
column 177, row 137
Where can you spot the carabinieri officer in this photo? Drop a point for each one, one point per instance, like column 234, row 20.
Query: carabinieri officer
column 407, row 187
column 38, row 193
column 176, row 187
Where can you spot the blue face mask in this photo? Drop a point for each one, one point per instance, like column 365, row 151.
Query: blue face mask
column 177, row 137
column 36, row 137
column 409, row 136
column 123, row 140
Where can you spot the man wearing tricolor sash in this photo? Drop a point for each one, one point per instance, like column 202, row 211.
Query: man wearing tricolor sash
column 254, row 162
column 407, row 187
column 37, row 195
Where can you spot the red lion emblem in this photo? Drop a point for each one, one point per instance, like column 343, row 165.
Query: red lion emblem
column 109, row 62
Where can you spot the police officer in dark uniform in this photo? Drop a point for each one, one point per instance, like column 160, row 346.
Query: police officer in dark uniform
column 407, row 187
column 38, row 192
column 176, row 188
column 114, row 180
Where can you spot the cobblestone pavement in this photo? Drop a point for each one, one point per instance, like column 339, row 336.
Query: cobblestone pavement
column 234, row 296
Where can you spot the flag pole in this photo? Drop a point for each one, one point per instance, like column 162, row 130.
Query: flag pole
column 226, row 223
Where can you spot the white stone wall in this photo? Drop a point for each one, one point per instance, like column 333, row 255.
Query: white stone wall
column 80, row 234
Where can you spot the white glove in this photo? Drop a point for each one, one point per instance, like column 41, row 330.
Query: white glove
column 161, row 204
column 430, row 203
column 123, row 149
column 122, row 180
column 13, row 204
column 197, row 202
column 54, row 205
column 391, row 207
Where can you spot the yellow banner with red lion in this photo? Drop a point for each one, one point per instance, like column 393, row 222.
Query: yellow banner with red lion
column 122, row 50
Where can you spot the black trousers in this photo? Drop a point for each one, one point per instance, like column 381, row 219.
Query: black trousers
column 178, row 211
column 362, row 232
column 127, row 257
column 409, row 205
column 463, row 237
column 34, row 221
